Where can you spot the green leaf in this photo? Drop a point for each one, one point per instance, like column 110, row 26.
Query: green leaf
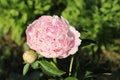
column 17, row 33
column 88, row 74
column 45, row 8
column 24, row 17
column 71, row 78
column 39, row 55
column 50, row 69
column 26, row 68
column 35, row 65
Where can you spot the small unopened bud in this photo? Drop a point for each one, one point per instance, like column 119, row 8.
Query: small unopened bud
column 29, row 56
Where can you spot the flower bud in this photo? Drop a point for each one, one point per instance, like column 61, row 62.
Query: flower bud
column 29, row 56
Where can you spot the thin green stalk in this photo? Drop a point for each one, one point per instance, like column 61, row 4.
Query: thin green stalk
column 71, row 64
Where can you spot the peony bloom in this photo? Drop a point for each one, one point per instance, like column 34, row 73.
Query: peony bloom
column 53, row 37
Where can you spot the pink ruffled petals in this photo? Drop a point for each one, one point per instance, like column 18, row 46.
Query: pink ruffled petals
column 53, row 37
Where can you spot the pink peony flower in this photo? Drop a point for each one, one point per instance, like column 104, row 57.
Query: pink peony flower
column 53, row 37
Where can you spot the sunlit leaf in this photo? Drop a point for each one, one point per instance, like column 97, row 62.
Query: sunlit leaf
column 50, row 69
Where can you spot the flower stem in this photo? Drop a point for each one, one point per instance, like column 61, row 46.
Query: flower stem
column 71, row 64
column 54, row 60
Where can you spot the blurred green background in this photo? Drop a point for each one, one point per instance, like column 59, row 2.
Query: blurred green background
column 98, row 21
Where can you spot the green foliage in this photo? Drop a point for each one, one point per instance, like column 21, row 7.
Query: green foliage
column 15, row 18
column 98, row 22
column 50, row 69
column 26, row 68
column 35, row 65
column 47, row 67
column 93, row 17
